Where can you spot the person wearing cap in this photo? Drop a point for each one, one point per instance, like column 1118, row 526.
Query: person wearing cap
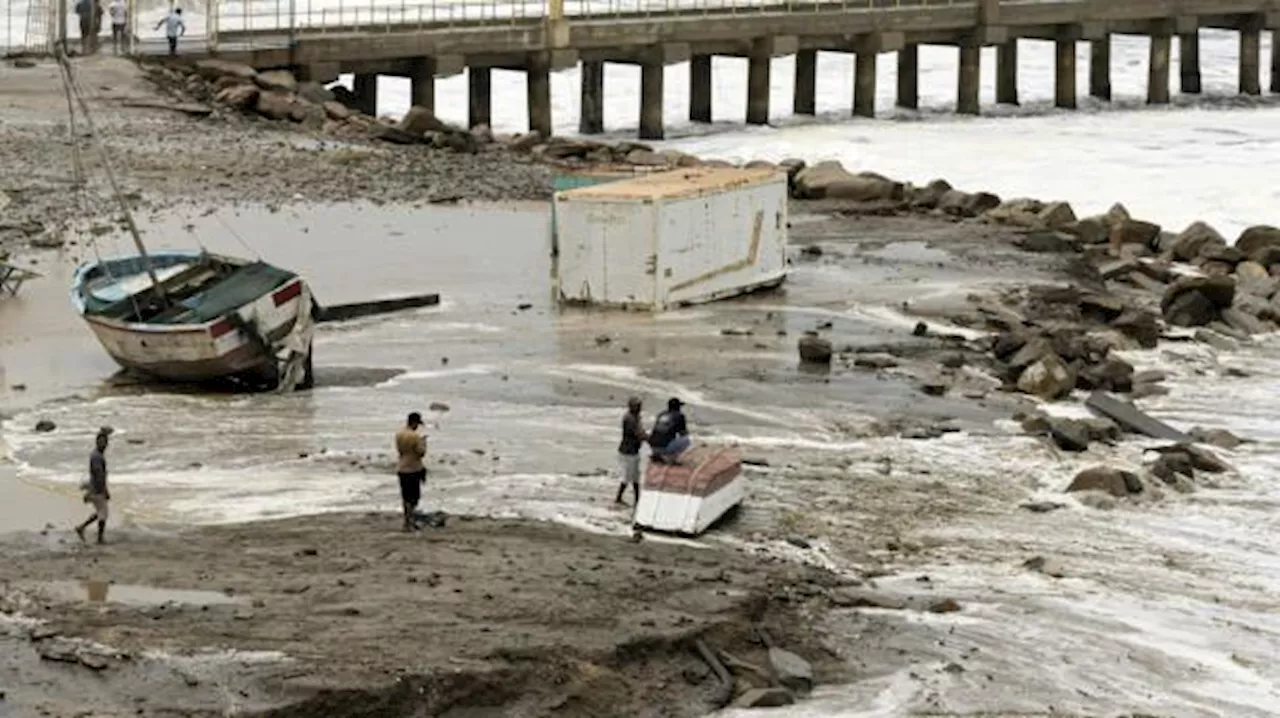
column 670, row 435
column 633, row 436
column 96, row 492
column 411, row 445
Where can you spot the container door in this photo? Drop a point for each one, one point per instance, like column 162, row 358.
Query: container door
column 629, row 261
column 580, row 238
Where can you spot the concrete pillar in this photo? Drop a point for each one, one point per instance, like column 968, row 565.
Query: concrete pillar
column 1250, row 59
column 479, row 96
column 1189, row 63
column 422, row 83
column 365, row 88
column 1064, row 75
column 1007, row 73
column 700, row 88
column 1100, row 68
column 1275, row 60
column 651, row 101
column 909, row 77
column 538, row 84
column 806, row 83
column 970, row 79
column 1158, row 70
column 758, row 85
column 591, row 117
column 864, row 85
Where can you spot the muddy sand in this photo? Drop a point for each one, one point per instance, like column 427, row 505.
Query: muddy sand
column 482, row 617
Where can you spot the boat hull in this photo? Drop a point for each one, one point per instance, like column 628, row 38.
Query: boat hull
column 690, row 498
column 190, row 355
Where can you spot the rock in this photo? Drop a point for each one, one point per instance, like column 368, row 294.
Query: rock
column 44, row 426
column 927, row 197
column 394, row 135
column 277, row 81
column 93, row 662
column 814, row 349
column 830, row 180
column 274, row 105
column 1221, row 254
column 1243, row 322
column 1251, row 270
column 1194, row 239
column 239, row 97
column 1168, row 467
column 1191, row 309
column 1220, row 438
column 1255, row 239
column 1140, row 326
column 1134, row 231
column 980, row 203
column 1103, row 307
column 875, row 361
column 1069, row 434
column 646, row 158
column 1057, row 215
column 1042, row 507
column 438, row 406
column 1048, row 566
column 1205, row 460
column 1195, row 301
column 1217, row 341
column 862, row 598
column 1111, row 374
column 1030, row 353
column 337, row 110
column 1048, row 378
column 793, row 672
column 1090, row 230
column 1046, row 242
column 315, row 93
column 946, row 605
column 935, row 385
column 765, row 698
column 419, row 121
column 213, row 69
column 1101, row 478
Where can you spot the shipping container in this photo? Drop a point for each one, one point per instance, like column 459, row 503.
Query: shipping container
column 671, row 238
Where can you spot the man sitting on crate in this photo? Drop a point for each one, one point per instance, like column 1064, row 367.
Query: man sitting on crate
column 670, row 436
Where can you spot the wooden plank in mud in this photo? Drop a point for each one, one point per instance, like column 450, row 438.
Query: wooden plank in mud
column 354, row 310
column 1133, row 419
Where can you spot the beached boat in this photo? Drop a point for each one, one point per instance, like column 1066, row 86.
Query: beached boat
column 200, row 317
column 690, row 497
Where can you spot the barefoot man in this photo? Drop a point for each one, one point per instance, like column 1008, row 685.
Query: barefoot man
column 633, row 437
column 96, row 491
column 411, row 445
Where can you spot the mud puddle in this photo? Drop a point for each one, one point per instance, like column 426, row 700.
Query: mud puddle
column 101, row 592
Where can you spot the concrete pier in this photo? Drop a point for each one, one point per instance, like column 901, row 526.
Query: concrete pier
column 591, row 117
column 651, row 101
column 479, row 96
column 864, row 84
column 909, row 77
column 1158, row 70
column 969, row 80
column 1250, row 59
column 1100, row 68
column 422, row 83
column 1007, row 73
column 758, row 64
column 700, row 88
column 365, row 89
column 806, row 85
column 1064, row 74
column 1275, row 61
column 1189, row 63
column 538, row 83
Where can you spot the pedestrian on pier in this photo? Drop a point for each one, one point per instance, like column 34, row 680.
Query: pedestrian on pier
column 119, row 13
column 95, row 490
column 86, row 12
column 174, row 28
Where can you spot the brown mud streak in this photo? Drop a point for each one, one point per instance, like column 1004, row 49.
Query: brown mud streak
column 482, row 617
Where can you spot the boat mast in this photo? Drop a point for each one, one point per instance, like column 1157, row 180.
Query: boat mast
column 69, row 80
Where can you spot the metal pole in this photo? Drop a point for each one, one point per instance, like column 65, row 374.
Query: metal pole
column 62, row 24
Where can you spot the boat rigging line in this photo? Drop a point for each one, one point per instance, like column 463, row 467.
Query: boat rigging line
column 73, row 89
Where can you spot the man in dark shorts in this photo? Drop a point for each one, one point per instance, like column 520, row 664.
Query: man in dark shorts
column 411, row 445
column 95, row 490
column 633, row 437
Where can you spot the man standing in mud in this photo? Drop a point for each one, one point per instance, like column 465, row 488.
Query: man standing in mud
column 96, row 492
column 411, row 445
column 633, row 436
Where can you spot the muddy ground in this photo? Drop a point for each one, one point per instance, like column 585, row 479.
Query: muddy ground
column 481, row 617
column 163, row 156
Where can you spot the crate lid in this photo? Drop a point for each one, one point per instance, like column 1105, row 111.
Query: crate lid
column 684, row 182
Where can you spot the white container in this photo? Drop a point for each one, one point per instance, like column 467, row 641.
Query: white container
column 670, row 238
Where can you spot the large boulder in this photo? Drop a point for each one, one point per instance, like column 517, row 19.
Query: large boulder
column 1196, row 301
column 1057, row 215
column 337, row 111
column 1090, row 230
column 212, row 69
column 277, row 81
column 1193, row 240
column 1134, row 231
column 274, row 105
column 927, row 197
column 239, row 96
column 1048, row 378
column 814, row 349
column 1141, row 326
column 1111, row 374
column 793, row 672
column 1116, row 482
column 419, row 121
column 315, row 92
column 830, row 180
column 1255, row 239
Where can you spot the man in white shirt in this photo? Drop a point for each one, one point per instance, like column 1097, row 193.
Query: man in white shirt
column 173, row 29
column 119, row 13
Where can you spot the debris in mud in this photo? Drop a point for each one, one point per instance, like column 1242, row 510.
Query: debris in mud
column 1048, row 566
column 44, row 426
column 1042, row 507
column 814, row 349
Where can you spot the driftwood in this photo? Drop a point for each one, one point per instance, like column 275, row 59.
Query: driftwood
column 722, row 673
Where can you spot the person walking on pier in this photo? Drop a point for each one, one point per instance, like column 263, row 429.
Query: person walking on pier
column 87, row 11
column 96, row 492
column 633, row 437
column 119, row 13
column 174, row 28
column 411, row 446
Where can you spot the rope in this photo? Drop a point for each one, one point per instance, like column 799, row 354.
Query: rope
column 240, row 239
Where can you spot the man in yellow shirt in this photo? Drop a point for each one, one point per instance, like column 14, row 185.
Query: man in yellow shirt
column 411, row 445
